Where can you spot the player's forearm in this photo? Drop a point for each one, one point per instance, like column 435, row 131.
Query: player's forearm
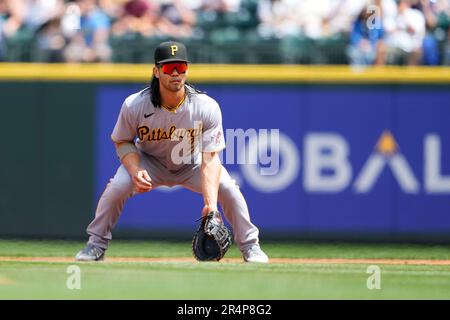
column 210, row 179
column 130, row 161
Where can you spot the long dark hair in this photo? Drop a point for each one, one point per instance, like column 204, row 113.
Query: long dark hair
column 155, row 95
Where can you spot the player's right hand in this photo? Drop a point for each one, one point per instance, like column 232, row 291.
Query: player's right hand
column 142, row 181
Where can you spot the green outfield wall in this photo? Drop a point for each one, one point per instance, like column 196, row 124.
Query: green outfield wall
column 46, row 169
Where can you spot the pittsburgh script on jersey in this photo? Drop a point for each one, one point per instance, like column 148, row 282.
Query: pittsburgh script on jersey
column 156, row 134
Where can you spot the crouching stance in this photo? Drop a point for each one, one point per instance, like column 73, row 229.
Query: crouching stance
column 170, row 134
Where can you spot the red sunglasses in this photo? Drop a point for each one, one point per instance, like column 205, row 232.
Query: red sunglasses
column 168, row 68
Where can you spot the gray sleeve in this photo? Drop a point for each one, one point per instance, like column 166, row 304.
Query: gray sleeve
column 212, row 136
column 125, row 129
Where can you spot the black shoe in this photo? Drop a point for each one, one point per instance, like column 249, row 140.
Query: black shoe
column 90, row 253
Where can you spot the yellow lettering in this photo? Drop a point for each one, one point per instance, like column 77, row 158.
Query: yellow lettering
column 171, row 131
column 174, row 49
column 153, row 135
column 142, row 131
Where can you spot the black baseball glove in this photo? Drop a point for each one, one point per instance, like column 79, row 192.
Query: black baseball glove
column 212, row 238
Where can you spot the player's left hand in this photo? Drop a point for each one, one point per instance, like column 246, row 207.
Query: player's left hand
column 212, row 238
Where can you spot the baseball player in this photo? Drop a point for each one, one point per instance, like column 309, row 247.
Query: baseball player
column 166, row 135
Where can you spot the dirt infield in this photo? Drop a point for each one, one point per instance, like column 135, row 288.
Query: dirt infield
column 238, row 260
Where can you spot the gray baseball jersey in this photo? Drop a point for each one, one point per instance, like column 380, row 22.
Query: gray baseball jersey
column 158, row 132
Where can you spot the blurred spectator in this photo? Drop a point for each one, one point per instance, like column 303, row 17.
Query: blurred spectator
column 430, row 47
column 366, row 40
column 13, row 12
column 176, row 20
column 112, row 8
column 194, row 5
column 442, row 32
column 43, row 18
column 405, row 34
column 3, row 15
column 50, row 42
column 12, row 21
column 342, row 14
column 312, row 15
column 220, row 6
column 138, row 17
column 277, row 19
column 39, row 12
column 90, row 44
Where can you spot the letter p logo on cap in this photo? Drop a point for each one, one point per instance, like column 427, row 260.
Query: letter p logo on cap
column 174, row 49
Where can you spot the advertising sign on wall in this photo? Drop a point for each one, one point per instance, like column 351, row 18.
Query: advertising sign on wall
column 345, row 159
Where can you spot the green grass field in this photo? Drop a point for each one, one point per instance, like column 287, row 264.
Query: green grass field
column 236, row 280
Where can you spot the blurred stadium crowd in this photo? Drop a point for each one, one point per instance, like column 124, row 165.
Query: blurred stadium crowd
column 358, row 32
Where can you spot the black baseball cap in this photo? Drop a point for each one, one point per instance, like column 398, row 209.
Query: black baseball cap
column 170, row 51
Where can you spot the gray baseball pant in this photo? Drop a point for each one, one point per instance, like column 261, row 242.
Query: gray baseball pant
column 120, row 189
